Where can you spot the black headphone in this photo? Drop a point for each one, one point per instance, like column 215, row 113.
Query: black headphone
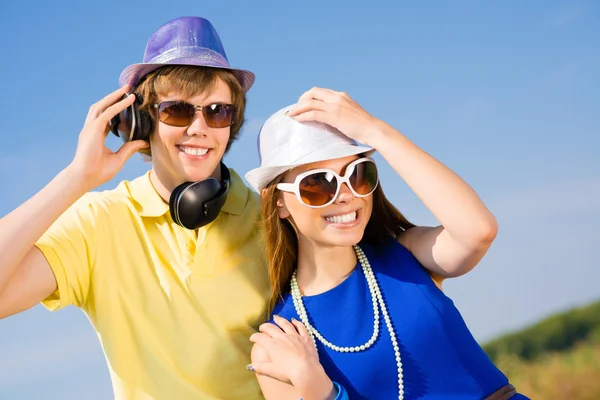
column 132, row 123
column 192, row 204
column 195, row 204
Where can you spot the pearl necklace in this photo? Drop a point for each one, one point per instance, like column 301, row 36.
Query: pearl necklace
column 377, row 304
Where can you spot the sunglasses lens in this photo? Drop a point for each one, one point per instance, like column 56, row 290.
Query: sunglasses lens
column 318, row 189
column 176, row 113
column 218, row 115
column 364, row 178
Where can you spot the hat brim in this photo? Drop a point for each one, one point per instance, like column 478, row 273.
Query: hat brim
column 260, row 177
column 135, row 72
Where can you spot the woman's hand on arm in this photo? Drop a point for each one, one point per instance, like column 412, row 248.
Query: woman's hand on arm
column 287, row 364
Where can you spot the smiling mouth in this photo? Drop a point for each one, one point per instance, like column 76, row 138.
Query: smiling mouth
column 193, row 151
column 343, row 218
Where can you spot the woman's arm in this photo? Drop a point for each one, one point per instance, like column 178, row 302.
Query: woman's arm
column 467, row 227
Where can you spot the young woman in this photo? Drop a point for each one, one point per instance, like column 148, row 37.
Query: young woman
column 357, row 300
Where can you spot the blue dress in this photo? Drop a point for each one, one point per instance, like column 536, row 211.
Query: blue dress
column 440, row 357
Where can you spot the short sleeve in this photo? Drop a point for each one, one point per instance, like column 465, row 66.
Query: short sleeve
column 69, row 246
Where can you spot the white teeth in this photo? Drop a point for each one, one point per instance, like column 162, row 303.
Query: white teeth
column 342, row 219
column 194, row 151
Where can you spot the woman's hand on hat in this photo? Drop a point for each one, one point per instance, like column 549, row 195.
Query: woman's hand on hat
column 293, row 358
column 95, row 163
column 336, row 109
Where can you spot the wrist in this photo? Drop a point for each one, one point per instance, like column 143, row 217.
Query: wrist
column 313, row 384
column 340, row 392
column 76, row 181
column 380, row 134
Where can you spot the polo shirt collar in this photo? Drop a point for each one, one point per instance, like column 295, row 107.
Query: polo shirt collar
column 152, row 205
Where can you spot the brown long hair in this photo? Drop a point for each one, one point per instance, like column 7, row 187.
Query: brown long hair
column 189, row 81
column 282, row 243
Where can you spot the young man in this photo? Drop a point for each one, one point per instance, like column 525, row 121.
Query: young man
column 167, row 267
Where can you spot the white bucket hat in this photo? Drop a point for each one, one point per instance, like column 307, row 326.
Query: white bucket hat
column 284, row 143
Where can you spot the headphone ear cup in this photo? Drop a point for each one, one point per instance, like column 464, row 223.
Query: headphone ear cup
column 174, row 201
column 144, row 125
column 143, row 122
column 190, row 203
column 195, row 204
column 131, row 123
column 120, row 124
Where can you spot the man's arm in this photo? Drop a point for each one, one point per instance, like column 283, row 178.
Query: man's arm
column 25, row 275
column 31, row 283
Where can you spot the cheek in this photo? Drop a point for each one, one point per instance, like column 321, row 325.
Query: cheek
column 368, row 209
column 167, row 135
column 223, row 136
column 306, row 219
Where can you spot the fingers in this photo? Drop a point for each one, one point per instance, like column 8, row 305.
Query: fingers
column 110, row 99
column 285, row 325
column 272, row 330
column 110, row 112
column 269, row 331
column 262, row 339
column 130, row 148
column 318, row 116
column 317, row 93
column 300, row 328
column 313, row 110
column 308, row 105
column 267, row 369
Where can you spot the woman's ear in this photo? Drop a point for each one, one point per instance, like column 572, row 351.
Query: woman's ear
column 283, row 211
column 281, row 208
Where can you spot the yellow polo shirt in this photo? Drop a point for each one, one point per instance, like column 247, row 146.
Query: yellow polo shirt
column 173, row 311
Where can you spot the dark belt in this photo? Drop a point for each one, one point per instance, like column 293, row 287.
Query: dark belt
column 504, row 393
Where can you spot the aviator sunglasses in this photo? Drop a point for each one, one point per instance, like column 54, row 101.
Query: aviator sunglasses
column 320, row 187
column 180, row 113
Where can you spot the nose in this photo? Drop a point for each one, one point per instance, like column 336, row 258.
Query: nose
column 198, row 127
column 345, row 195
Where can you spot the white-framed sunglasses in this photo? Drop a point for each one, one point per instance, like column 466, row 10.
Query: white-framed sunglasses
column 320, row 187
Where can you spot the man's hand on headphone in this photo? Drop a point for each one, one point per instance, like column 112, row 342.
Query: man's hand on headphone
column 95, row 163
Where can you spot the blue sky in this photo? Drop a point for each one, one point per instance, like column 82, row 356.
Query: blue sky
column 507, row 94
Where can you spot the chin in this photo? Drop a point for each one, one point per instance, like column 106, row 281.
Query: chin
column 197, row 174
column 343, row 240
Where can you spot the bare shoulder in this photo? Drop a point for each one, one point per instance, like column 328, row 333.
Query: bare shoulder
column 414, row 235
column 411, row 239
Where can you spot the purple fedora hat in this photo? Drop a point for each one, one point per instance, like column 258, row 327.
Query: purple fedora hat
column 184, row 41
